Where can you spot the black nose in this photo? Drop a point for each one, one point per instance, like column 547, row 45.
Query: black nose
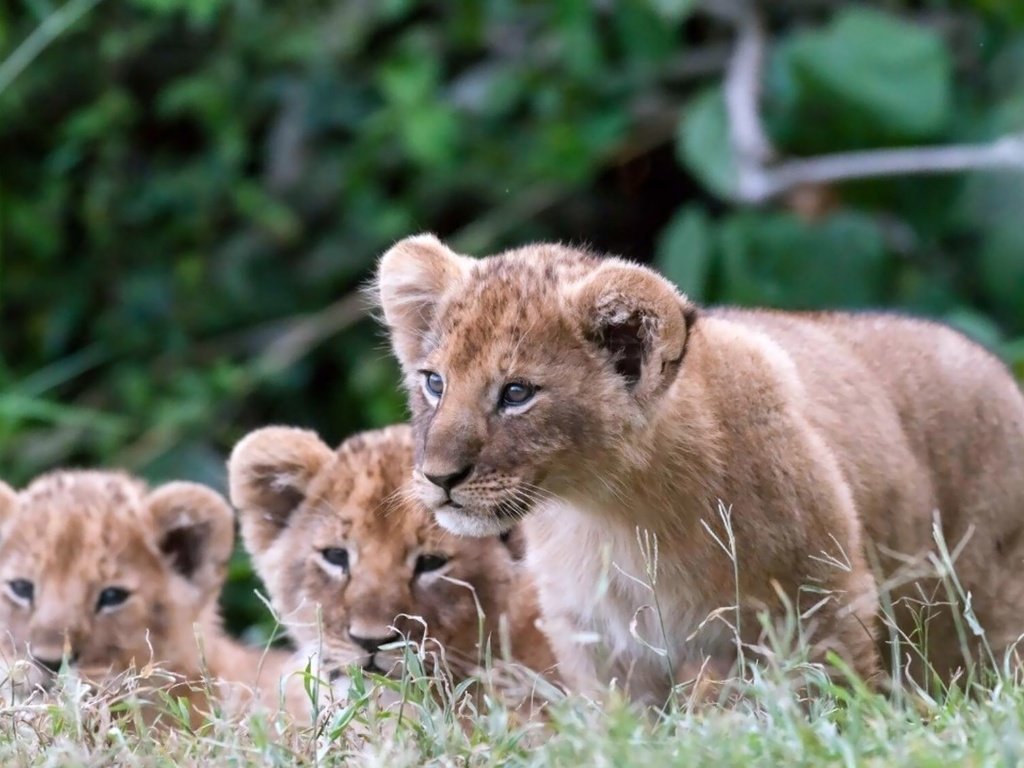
column 373, row 644
column 54, row 664
column 447, row 482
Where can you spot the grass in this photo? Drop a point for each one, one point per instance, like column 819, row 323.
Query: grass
column 768, row 721
column 782, row 710
column 840, row 725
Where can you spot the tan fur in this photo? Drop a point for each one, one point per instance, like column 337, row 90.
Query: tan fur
column 829, row 437
column 73, row 534
column 298, row 498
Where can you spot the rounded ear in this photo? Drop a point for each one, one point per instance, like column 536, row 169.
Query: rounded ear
column 195, row 533
column 269, row 473
column 412, row 278
column 8, row 502
column 638, row 320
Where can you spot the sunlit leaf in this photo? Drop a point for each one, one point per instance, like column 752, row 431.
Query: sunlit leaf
column 704, row 144
column 866, row 77
column 685, row 251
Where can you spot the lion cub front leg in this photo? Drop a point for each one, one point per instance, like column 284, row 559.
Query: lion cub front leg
column 577, row 659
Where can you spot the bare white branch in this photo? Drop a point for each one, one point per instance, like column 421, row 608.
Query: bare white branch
column 750, row 143
column 761, row 184
column 759, row 180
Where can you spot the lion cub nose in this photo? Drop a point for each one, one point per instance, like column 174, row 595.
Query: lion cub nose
column 449, row 481
column 373, row 644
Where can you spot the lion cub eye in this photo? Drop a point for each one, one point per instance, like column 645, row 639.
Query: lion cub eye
column 111, row 597
column 433, row 384
column 21, row 589
column 517, row 393
column 428, row 563
column 337, row 556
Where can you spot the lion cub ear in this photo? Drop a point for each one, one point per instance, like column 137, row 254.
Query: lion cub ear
column 8, row 502
column 638, row 320
column 194, row 531
column 269, row 473
column 412, row 278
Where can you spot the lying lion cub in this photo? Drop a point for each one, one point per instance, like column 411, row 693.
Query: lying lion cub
column 102, row 574
column 355, row 565
column 590, row 398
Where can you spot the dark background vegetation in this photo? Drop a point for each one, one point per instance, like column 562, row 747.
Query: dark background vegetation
column 191, row 191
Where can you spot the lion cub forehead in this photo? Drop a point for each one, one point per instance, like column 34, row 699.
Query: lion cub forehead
column 73, row 522
column 533, row 274
column 375, row 462
column 112, row 497
column 368, row 484
column 509, row 299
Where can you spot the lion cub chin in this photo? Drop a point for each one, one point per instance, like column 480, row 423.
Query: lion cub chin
column 357, row 569
column 103, row 575
column 588, row 397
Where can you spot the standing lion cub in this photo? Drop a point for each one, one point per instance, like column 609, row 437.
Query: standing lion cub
column 355, row 565
column 107, row 576
column 589, row 398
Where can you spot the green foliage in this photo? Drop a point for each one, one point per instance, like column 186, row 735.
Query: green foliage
column 685, row 252
column 865, row 78
column 191, row 191
column 776, row 260
column 704, row 145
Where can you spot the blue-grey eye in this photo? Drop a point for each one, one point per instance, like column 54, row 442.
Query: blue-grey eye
column 434, row 382
column 336, row 556
column 517, row 393
column 21, row 588
column 111, row 597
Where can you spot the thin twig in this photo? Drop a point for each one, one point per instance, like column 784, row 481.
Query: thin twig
column 307, row 332
column 52, row 27
column 757, row 180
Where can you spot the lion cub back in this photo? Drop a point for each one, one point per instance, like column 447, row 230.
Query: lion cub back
column 943, row 410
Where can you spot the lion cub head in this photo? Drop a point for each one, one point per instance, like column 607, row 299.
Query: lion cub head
column 529, row 374
column 103, row 573
column 337, row 533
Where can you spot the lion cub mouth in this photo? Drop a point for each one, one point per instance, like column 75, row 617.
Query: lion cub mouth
column 478, row 523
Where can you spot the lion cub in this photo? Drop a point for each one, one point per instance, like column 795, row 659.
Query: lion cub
column 590, row 399
column 106, row 575
column 353, row 563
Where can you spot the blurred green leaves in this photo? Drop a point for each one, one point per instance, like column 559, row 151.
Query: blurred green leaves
column 190, row 190
column 704, row 143
column 867, row 78
column 776, row 260
column 197, row 11
column 425, row 125
column 686, row 250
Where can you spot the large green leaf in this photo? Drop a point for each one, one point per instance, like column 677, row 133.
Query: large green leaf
column 685, row 251
column 1002, row 271
column 778, row 260
column 866, row 78
column 703, row 142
